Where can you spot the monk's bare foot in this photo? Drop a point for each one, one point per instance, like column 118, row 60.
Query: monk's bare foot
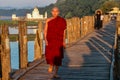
column 50, row 69
column 56, row 76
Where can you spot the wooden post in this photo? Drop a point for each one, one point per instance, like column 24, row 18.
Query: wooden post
column 106, row 19
column 0, row 51
column 5, row 53
column 117, row 51
column 77, row 28
column 69, row 30
column 83, row 26
column 38, row 47
column 73, row 30
column 87, row 25
column 93, row 23
column 118, row 18
column 23, row 51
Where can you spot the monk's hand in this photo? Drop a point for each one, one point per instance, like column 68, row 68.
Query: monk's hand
column 64, row 45
column 46, row 42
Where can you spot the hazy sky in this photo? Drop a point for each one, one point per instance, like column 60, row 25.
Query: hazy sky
column 25, row 3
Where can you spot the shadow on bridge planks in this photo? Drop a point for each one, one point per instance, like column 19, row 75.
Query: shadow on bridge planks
column 92, row 63
column 88, row 59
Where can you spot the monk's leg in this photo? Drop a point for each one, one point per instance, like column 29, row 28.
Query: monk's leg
column 56, row 69
column 50, row 69
column 56, row 72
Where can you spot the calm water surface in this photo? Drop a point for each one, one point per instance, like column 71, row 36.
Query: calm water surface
column 15, row 54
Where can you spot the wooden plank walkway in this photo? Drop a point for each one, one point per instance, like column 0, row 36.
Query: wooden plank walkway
column 89, row 59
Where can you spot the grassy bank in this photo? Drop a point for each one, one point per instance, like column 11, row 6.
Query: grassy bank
column 14, row 37
column 15, row 23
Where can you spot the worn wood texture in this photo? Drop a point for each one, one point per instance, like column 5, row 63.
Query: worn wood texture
column 117, row 52
column 78, row 28
column 106, row 19
column 118, row 18
column 0, row 52
column 88, row 59
column 38, row 46
column 5, row 53
column 23, row 51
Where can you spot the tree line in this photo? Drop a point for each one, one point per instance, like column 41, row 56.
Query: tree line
column 70, row 8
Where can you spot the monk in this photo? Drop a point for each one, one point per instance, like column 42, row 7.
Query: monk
column 54, row 34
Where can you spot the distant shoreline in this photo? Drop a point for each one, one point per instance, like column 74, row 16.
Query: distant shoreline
column 5, row 18
column 12, row 23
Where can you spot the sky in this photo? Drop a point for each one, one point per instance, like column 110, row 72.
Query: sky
column 25, row 3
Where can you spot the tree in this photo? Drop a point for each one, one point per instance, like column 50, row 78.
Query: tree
column 70, row 8
column 69, row 15
column 108, row 5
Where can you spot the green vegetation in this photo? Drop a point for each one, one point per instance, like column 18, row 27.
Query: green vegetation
column 15, row 23
column 14, row 37
column 79, row 8
column 10, row 23
column 106, row 7
column 70, row 8
column 32, row 23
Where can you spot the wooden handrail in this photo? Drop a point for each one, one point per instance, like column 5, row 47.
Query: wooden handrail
column 77, row 28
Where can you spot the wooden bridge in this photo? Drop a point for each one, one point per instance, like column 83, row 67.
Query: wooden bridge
column 89, row 54
column 88, row 59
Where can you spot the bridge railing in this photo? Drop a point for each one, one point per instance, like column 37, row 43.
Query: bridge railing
column 117, row 51
column 5, row 65
column 77, row 28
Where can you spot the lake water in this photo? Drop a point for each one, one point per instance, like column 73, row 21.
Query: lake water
column 15, row 49
column 15, row 54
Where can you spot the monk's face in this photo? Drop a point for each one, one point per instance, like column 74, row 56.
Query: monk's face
column 55, row 12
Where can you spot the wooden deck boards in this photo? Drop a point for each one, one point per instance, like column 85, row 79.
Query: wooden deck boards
column 89, row 59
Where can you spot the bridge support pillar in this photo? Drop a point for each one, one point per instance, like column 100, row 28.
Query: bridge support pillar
column 23, row 51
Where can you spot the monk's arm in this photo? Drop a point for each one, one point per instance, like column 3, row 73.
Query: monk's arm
column 45, row 32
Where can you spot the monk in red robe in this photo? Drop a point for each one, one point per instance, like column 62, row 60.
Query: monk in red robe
column 54, row 34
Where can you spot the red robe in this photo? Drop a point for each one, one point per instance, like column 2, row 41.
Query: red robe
column 55, row 33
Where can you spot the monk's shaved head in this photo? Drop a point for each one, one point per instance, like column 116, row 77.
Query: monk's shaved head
column 55, row 11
